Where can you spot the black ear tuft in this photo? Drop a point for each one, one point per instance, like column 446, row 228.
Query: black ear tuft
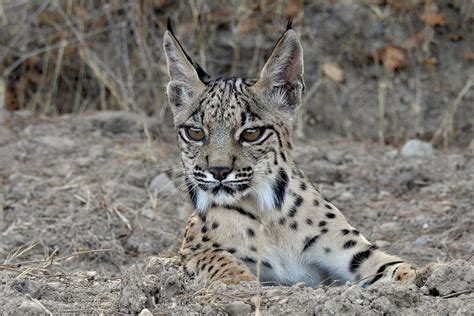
column 201, row 73
column 289, row 26
column 169, row 26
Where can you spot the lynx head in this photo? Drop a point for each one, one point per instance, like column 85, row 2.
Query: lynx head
column 235, row 134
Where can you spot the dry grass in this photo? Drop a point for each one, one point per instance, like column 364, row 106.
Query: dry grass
column 72, row 56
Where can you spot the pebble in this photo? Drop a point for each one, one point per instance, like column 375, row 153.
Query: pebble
column 145, row 312
column 237, row 308
column 359, row 301
column 346, row 196
column 422, row 240
column 300, row 285
column 91, row 275
column 416, row 147
column 425, row 290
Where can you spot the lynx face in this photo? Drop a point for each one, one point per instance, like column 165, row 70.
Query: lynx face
column 235, row 134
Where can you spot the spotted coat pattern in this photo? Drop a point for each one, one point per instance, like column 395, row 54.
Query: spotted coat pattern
column 264, row 211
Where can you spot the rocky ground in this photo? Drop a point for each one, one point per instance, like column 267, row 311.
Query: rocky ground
column 88, row 224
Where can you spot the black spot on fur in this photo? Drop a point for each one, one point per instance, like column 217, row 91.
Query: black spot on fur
column 267, row 264
column 380, row 271
column 216, row 245
column 355, row 232
column 250, row 232
column 309, row 241
column 253, row 248
column 309, row 221
column 210, row 268
column 240, row 210
column 329, row 207
column 303, row 186
column 205, row 238
column 231, row 250
column 358, row 259
column 248, row 259
column 294, row 225
column 330, row 215
column 282, row 221
column 324, row 231
column 215, row 225
column 204, row 229
column 279, row 188
column 198, row 245
column 349, row 244
column 327, row 250
column 192, row 190
column 322, row 223
column 316, row 203
column 345, row 231
column 296, row 204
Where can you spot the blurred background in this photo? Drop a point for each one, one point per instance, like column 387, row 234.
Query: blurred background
column 381, row 70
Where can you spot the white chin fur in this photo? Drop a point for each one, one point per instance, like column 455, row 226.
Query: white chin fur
column 265, row 195
column 203, row 201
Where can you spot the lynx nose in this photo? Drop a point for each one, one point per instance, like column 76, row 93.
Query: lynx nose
column 220, row 173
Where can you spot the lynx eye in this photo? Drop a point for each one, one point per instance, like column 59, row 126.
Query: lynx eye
column 195, row 133
column 251, row 134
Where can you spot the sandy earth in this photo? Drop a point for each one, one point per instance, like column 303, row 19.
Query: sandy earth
column 83, row 229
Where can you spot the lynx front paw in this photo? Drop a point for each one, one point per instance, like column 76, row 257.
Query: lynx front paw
column 405, row 274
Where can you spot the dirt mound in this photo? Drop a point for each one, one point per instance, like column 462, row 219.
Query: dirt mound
column 82, row 225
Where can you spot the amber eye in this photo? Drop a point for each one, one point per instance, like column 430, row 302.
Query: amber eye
column 251, row 134
column 194, row 133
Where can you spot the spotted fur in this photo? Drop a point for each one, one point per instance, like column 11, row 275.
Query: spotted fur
column 304, row 236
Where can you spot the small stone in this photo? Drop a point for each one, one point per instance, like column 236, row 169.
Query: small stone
column 91, row 275
column 425, row 290
column 359, row 301
column 300, row 285
column 237, row 308
column 425, row 226
column 422, row 240
column 383, row 194
column 162, row 184
column 283, row 301
column 346, row 196
column 416, row 147
column 145, row 312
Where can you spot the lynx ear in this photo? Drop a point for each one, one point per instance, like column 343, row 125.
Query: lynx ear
column 281, row 78
column 187, row 77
